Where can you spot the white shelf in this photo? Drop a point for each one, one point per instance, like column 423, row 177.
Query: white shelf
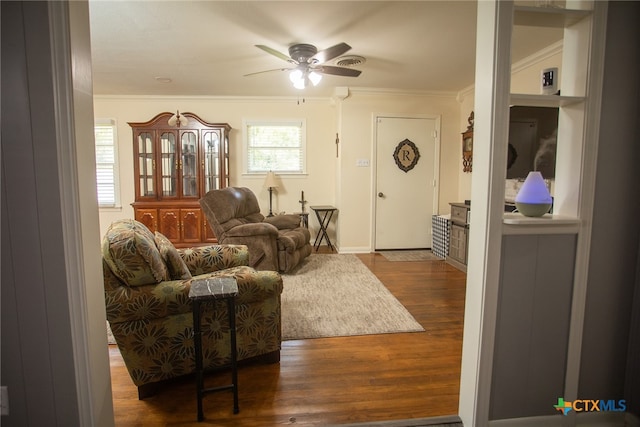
column 530, row 100
column 515, row 223
column 553, row 17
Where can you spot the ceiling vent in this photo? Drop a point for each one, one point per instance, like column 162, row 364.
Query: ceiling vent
column 350, row 61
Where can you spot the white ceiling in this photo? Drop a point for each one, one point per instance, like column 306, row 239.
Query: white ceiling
column 206, row 47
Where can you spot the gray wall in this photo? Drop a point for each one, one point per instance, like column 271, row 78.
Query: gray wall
column 616, row 229
column 632, row 386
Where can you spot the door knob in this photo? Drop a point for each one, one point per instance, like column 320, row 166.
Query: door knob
column 381, row 194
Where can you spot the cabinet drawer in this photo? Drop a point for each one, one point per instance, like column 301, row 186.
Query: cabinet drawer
column 459, row 214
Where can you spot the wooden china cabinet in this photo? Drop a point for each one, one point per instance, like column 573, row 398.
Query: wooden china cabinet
column 175, row 165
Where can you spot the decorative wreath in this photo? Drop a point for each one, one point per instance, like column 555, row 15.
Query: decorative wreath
column 406, row 155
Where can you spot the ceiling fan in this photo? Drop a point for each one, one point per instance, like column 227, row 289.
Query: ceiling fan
column 308, row 63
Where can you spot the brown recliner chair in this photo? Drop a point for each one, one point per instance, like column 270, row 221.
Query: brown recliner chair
column 276, row 243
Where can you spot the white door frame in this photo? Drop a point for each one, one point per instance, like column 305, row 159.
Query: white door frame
column 374, row 164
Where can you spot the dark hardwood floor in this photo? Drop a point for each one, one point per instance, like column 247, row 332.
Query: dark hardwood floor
column 333, row 380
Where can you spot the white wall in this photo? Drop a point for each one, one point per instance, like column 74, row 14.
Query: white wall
column 357, row 142
column 330, row 180
column 318, row 185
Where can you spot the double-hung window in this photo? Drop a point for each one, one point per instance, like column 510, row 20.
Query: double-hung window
column 106, row 167
column 277, row 146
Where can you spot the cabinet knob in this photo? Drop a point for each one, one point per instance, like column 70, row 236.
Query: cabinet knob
column 381, row 194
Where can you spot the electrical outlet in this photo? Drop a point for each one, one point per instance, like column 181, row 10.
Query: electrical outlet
column 4, row 400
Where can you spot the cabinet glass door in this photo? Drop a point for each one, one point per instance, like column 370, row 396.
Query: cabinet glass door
column 146, row 165
column 211, row 160
column 168, row 167
column 189, row 166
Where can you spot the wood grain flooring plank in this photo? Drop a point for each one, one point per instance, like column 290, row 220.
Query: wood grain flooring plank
column 336, row 380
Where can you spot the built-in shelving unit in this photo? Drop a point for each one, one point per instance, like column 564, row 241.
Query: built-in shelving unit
column 530, row 100
column 572, row 87
column 538, row 279
column 550, row 17
column 526, row 281
column 515, row 223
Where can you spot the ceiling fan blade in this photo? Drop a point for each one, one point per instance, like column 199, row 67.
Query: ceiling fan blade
column 267, row 71
column 331, row 52
column 276, row 53
column 338, row 71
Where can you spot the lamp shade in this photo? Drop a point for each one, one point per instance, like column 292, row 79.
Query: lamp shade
column 534, row 198
column 271, row 181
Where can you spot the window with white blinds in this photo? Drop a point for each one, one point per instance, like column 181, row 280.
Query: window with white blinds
column 275, row 146
column 106, row 168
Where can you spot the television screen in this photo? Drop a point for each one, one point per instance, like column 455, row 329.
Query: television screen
column 532, row 141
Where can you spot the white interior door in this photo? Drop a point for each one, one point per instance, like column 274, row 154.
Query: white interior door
column 405, row 182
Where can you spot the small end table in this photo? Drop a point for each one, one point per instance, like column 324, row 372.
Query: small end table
column 324, row 214
column 214, row 288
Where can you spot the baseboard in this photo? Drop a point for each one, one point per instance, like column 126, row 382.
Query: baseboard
column 586, row 419
column 355, row 250
column 457, row 264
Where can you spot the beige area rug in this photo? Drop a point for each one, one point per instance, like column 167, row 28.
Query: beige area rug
column 333, row 295
column 410, row 255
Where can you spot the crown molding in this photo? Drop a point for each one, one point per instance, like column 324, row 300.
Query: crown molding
column 276, row 99
column 401, row 92
column 540, row 55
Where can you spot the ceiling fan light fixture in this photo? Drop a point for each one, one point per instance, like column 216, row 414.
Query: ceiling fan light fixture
column 295, row 76
column 299, row 84
column 309, row 63
column 315, row 78
column 302, row 79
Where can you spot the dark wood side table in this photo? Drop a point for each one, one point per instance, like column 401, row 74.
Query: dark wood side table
column 209, row 289
column 324, row 214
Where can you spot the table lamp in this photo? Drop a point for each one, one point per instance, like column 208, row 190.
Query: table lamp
column 271, row 182
column 534, row 198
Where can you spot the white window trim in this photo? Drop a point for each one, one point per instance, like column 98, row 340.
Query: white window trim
column 275, row 122
column 116, row 169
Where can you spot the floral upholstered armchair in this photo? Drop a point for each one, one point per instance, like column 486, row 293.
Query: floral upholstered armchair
column 146, row 284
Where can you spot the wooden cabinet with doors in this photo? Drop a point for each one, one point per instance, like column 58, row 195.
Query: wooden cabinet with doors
column 177, row 159
column 459, row 236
